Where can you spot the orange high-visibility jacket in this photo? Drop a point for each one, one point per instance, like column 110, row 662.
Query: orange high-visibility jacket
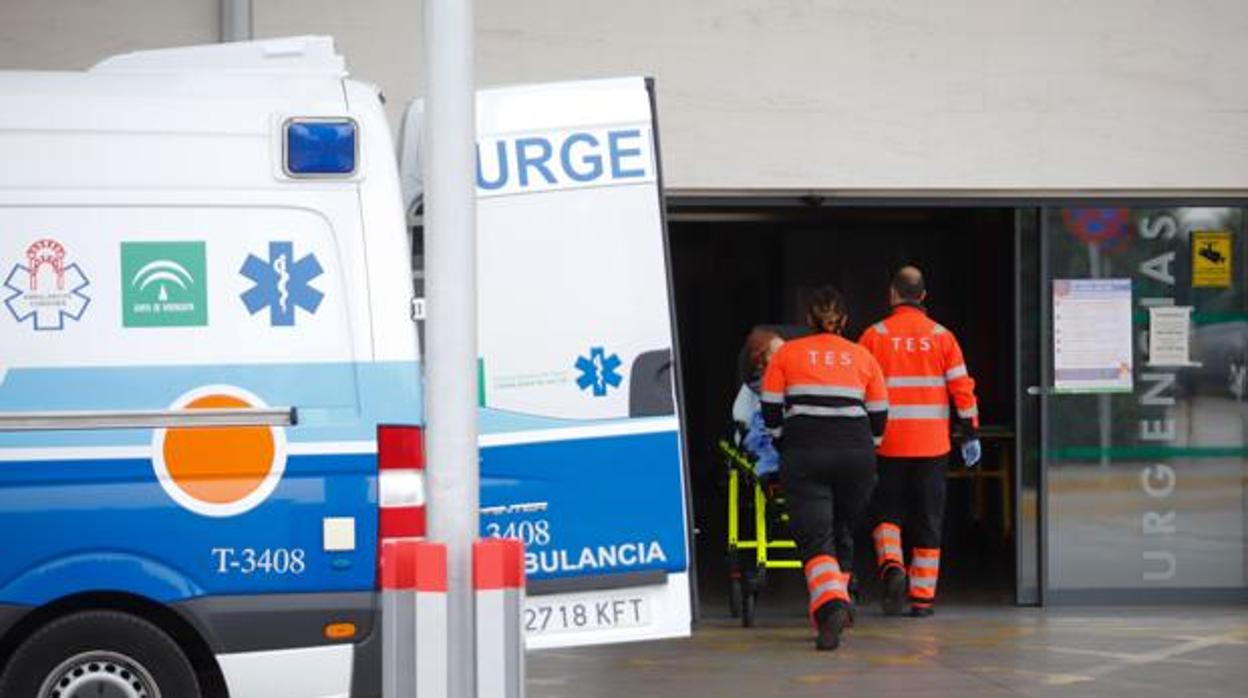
column 923, row 367
column 826, row 391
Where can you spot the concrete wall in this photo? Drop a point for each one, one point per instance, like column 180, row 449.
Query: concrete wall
column 75, row 34
column 834, row 95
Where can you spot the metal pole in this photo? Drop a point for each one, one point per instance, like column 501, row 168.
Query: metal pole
column 451, row 325
column 235, row 20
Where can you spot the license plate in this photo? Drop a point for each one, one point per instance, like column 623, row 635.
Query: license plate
column 604, row 613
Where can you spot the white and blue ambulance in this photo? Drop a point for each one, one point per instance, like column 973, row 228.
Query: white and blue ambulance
column 210, row 385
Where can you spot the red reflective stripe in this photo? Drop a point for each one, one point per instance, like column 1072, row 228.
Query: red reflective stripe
column 497, row 563
column 398, row 564
column 412, row 564
column 402, row 522
column 923, row 573
column 430, row 567
column 400, row 447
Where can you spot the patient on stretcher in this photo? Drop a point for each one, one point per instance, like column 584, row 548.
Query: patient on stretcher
column 747, row 408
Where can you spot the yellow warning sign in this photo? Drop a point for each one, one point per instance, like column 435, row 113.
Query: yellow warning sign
column 1211, row 258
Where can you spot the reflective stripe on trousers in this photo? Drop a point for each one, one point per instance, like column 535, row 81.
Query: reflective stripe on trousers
column 825, row 581
column 924, row 570
column 887, row 538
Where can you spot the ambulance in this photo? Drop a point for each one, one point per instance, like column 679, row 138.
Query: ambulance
column 210, row 390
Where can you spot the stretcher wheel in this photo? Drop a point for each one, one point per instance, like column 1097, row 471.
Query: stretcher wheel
column 735, row 598
column 747, row 609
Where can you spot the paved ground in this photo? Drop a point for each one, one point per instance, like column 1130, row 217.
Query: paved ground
column 970, row 651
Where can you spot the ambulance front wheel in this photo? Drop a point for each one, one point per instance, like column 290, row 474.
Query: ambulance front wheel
column 99, row 654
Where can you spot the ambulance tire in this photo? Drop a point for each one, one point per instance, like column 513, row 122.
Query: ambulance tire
column 88, row 652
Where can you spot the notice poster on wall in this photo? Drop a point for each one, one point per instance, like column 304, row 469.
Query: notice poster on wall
column 1169, row 336
column 1092, row 350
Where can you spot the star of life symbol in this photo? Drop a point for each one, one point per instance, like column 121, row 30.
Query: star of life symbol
column 46, row 289
column 281, row 284
column 598, row 371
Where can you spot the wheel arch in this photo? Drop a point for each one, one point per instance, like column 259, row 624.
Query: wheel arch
column 178, row 627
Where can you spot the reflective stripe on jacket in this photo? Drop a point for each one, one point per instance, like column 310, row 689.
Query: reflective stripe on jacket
column 923, row 367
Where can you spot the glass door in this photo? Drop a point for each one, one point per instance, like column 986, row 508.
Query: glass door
column 1028, row 537
column 1144, row 343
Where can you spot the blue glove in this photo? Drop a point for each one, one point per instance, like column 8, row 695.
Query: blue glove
column 971, row 452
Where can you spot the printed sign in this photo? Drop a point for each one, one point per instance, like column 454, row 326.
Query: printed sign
column 48, row 290
column 1169, row 335
column 164, row 284
column 1092, row 350
column 282, row 284
column 564, row 159
column 1211, row 259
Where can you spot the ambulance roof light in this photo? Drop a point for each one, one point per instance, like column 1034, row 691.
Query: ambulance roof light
column 320, row 147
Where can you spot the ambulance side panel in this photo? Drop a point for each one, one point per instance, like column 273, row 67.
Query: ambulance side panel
column 195, row 277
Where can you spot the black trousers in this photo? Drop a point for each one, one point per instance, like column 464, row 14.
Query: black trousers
column 911, row 494
column 828, row 491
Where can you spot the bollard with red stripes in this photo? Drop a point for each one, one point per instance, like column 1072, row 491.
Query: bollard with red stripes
column 414, row 622
column 498, row 581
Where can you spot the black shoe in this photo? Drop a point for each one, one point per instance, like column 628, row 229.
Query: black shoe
column 831, row 618
column 921, row 611
column 893, row 600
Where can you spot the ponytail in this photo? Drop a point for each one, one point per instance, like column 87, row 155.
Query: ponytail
column 825, row 310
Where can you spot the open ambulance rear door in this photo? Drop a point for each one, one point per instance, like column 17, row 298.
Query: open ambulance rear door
column 580, row 434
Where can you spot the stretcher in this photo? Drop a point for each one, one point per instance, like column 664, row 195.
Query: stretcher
column 756, row 512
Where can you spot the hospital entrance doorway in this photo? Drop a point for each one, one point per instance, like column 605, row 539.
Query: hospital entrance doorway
column 739, row 264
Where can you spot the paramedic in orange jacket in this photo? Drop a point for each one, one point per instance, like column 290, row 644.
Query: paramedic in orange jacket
column 924, row 368
column 824, row 398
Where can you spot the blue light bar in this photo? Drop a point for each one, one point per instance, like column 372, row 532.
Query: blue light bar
column 320, row 147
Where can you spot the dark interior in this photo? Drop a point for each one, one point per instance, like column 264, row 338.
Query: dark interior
column 738, row 266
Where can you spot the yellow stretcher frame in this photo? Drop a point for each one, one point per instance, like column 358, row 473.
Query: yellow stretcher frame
column 762, row 545
column 747, row 582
